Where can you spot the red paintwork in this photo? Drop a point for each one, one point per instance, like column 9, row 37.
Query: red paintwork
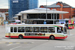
column 58, row 26
column 70, row 27
column 6, row 36
column 61, row 37
column 13, row 23
column 14, row 36
column 43, row 37
column 73, row 27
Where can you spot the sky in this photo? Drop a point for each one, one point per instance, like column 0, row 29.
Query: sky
column 4, row 3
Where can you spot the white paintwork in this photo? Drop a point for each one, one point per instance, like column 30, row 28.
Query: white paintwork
column 40, row 10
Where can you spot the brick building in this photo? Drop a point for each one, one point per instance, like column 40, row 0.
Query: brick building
column 3, row 10
column 73, row 12
column 60, row 6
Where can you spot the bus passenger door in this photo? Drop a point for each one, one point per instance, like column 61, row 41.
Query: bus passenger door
column 11, row 31
column 15, row 34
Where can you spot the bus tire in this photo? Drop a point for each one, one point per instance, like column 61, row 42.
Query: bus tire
column 20, row 37
column 52, row 37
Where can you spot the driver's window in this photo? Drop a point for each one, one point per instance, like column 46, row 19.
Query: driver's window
column 59, row 29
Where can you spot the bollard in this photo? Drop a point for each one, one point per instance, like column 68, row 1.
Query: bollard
column 69, row 32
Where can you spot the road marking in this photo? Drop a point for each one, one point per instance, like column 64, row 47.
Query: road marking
column 32, row 42
column 9, row 44
column 15, row 47
column 18, row 43
column 2, row 42
column 25, row 43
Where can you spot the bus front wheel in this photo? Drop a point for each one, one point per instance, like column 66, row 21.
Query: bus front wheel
column 20, row 37
column 52, row 37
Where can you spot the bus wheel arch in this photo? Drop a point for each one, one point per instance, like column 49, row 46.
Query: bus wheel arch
column 20, row 36
column 52, row 37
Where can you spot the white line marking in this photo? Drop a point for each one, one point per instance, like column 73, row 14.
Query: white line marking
column 32, row 42
column 15, row 47
column 9, row 44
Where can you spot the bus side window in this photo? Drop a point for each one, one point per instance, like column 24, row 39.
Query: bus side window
column 15, row 29
column 28, row 29
column 43, row 29
column 35, row 29
column 20, row 29
column 51, row 29
column 11, row 29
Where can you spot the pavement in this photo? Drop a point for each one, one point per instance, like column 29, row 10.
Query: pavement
column 37, row 44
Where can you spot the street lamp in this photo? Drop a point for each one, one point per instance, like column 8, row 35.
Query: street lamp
column 46, row 13
column 46, row 9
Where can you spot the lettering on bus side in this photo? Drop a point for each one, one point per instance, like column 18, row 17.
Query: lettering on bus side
column 34, row 34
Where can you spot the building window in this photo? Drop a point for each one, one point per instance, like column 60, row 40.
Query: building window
column 19, row 17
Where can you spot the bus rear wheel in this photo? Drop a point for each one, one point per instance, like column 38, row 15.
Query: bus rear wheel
column 52, row 37
column 20, row 37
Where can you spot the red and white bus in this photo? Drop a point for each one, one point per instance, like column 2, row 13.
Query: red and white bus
column 70, row 24
column 46, row 31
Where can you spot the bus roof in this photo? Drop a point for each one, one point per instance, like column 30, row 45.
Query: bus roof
column 36, row 25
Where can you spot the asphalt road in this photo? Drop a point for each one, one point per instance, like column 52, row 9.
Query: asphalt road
column 36, row 44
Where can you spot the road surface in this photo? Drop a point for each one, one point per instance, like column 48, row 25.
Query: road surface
column 36, row 44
